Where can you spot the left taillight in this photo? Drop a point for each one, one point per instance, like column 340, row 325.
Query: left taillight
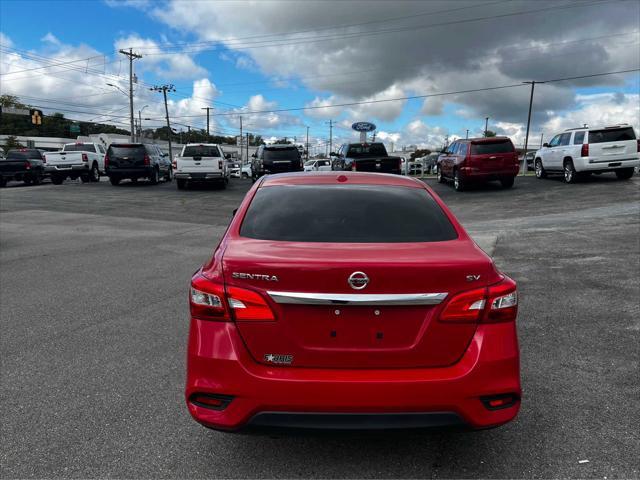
column 147, row 159
column 44, row 159
column 106, row 161
column 85, row 158
column 27, row 165
column 220, row 164
column 496, row 303
column 209, row 300
column 584, row 151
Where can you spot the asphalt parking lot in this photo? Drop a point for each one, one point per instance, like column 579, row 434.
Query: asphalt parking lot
column 93, row 282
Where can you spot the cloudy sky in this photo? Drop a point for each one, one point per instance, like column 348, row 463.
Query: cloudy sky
column 420, row 70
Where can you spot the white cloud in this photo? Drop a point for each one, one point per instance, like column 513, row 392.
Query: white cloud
column 50, row 38
column 257, row 122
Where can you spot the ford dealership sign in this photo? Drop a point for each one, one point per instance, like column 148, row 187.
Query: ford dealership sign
column 363, row 127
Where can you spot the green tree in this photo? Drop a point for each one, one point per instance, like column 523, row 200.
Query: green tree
column 420, row 153
column 12, row 143
column 490, row 133
column 11, row 101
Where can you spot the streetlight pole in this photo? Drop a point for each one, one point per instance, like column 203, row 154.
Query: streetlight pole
column 207, row 109
column 164, row 89
column 467, row 137
column 307, row 145
column 140, row 123
column 486, row 125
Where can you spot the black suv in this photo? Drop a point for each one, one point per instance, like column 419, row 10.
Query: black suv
column 24, row 164
column 136, row 160
column 275, row 159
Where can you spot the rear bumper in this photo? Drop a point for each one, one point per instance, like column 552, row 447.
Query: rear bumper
column 200, row 177
column 598, row 164
column 218, row 363
column 141, row 172
column 77, row 168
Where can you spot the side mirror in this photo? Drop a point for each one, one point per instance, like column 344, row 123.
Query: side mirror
column 227, row 156
column 254, row 155
column 545, row 145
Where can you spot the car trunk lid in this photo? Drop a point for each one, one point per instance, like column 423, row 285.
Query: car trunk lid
column 613, row 143
column 492, row 155
column 322, row 321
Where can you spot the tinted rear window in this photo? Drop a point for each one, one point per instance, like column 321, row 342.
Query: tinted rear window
column 24, row 155
column 126, row 151
column 485, row 148
column 372, row 150
column 80, row 148
column 201, row 151
column 612, row 135
column 346, row 214
column 281, row 154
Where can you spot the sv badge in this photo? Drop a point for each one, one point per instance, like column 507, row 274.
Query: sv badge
column 473, row 278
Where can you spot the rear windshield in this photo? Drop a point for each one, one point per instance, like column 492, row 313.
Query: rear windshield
column 372, row 150
column 79, row 147
column 504, row 146
column 612, row 135
column 202, row 151
column 281, row 154
column 126, row 150
column 23, row 155
column 346, row 214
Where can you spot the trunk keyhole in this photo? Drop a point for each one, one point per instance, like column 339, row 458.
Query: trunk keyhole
column 379, row 335
column 333, row 333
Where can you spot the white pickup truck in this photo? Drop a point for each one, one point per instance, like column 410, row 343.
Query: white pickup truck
column 84, row 160
column 201, row 162
column 580, row 151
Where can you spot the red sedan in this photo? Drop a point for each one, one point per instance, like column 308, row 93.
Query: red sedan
column 350, row 301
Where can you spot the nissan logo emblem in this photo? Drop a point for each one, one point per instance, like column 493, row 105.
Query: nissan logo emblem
column 358, row 280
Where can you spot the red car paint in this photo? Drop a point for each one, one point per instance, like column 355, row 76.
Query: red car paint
column 270, row 356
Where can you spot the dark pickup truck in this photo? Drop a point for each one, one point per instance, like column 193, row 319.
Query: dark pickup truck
column 23, row 165
column 365, row 157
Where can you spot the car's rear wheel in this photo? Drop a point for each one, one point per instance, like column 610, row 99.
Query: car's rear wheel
column 507, row 182
column 85, row 178
column 3, row 182
column 169, row 176
column 27, row 181
column 539, row 169
column 439, row 175
column 155, row 177
column 624, row 173
column 570, row 174
column 37, row 180
column 114, row 181
column 182, row 184
column 458, row 183
column 94, row 175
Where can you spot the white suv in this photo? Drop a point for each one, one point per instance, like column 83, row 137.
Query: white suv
column 580, row 151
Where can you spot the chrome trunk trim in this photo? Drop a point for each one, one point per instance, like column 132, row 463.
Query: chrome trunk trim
column 302, row 298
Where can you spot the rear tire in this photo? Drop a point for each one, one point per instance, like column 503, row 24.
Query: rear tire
column 222, row 184
column 169, row 176
column 439, row 175
column 458, row 183
column 37, row 180
column 57, row 179
column 507, row 182
column 182, row 184
column 85, row 178
column 570, row 174
column 624, row 173
column 155, row 177
column 28, row 181
column 3, row 182
column 539, row 169
column 94, row 175
column 115, row 181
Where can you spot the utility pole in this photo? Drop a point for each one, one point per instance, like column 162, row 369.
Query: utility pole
column 140, row 123
column 132, row 56
column 526, row 137
column 241, row 139
column 207, row 109
column 486, row 125
column 467, row 137
column 330, row 136
column 247, row 145
column 307, row 145
column 164, row 89
column 541, row 137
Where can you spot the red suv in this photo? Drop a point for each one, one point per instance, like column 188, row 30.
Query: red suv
column 479, row 160
column 350, row 301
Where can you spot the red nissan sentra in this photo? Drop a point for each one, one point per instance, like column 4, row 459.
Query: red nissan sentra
column 350, row 301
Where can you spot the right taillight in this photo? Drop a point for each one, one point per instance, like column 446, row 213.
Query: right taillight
column 496, row 303
column 354, row 167
column 147, row 160
column 106, row 161
column 209, row 300
column 584, row 152
column 638, row 146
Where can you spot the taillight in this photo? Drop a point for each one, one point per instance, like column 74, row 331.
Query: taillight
column 354, row 166
column 206, row 300
column 174, row 165
column 147, row 160
column 220, row 164
column 106, row 161
column 248, row 305
column 209, row 301
column 85, row 158
column 27, row 165
column 584, row 152
column 496, row 303
column 44, row 159
column 638, row 146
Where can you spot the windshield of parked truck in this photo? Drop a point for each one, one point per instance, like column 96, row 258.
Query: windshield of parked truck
column 367, row 150
column 80, row 147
